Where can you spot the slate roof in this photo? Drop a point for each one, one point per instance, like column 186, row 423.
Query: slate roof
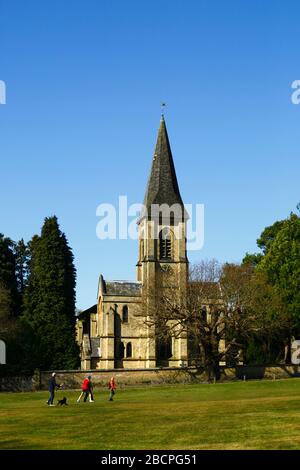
column 162, row 187
column 123, row 288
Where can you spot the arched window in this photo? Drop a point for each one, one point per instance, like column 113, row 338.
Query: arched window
column 128, row 350
column 165, row 244
column 125, row 314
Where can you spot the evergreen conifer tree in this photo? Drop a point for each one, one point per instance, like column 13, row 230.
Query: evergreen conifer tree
column 8, row 282
column 49, row 299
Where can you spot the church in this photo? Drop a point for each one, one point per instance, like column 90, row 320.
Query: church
column 115, row 333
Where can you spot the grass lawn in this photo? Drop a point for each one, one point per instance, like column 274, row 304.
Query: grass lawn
column 239, row 415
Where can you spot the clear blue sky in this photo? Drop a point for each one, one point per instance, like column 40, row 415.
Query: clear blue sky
column 84, row 84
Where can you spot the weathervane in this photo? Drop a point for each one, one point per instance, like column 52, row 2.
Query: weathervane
column 163, row 105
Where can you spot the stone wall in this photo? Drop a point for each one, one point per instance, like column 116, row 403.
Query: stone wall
column 130, row 377
column 20, row 384
column 72, row 379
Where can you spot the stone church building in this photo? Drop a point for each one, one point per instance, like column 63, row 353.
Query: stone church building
column 114, row 333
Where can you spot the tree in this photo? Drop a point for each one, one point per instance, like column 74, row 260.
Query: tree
column 280, row 261
column 223, row 307
column 6, row 304
column 8, row 282
column 264, row 242
column 22, row 254
column 252, row 259
column 49, row 299
column 281, row 264
column 16, row 335
column 262, row 323
column 19, row 339
column 268, row 235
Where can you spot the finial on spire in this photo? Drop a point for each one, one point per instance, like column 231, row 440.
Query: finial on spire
column 163, row 105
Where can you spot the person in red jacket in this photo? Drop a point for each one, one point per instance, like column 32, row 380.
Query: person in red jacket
column 112, row 387
column 87, row 389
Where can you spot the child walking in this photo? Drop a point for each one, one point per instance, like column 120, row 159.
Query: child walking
column 112, row 387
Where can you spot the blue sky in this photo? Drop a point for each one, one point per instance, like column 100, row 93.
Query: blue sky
column 85, row 80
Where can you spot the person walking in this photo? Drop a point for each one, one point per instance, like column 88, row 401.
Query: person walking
column 87, row 390
column 52, row 385
column 112, row 387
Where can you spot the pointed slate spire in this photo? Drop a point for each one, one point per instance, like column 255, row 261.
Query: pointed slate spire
column 162, row 187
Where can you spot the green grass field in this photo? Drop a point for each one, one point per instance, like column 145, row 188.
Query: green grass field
column 239, row 415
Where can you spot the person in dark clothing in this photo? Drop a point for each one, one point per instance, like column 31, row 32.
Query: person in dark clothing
column 52, row 385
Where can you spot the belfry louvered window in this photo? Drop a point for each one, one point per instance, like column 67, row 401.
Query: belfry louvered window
column 165, row 244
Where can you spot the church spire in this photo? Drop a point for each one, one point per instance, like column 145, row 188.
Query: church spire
column 162, row 187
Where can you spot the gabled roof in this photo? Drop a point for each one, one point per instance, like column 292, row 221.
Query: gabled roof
column 119, row 288
column 123, row 288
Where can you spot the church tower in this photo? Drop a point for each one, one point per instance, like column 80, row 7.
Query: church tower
column 162, row 242
column 162, row 225
column 117, row 332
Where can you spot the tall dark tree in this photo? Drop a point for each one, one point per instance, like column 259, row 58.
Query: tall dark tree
column 49, row 299
column 8, row 282
column 16, row 335
column 22, row 254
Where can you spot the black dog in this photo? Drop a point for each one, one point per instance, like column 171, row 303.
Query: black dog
column 63, row 401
